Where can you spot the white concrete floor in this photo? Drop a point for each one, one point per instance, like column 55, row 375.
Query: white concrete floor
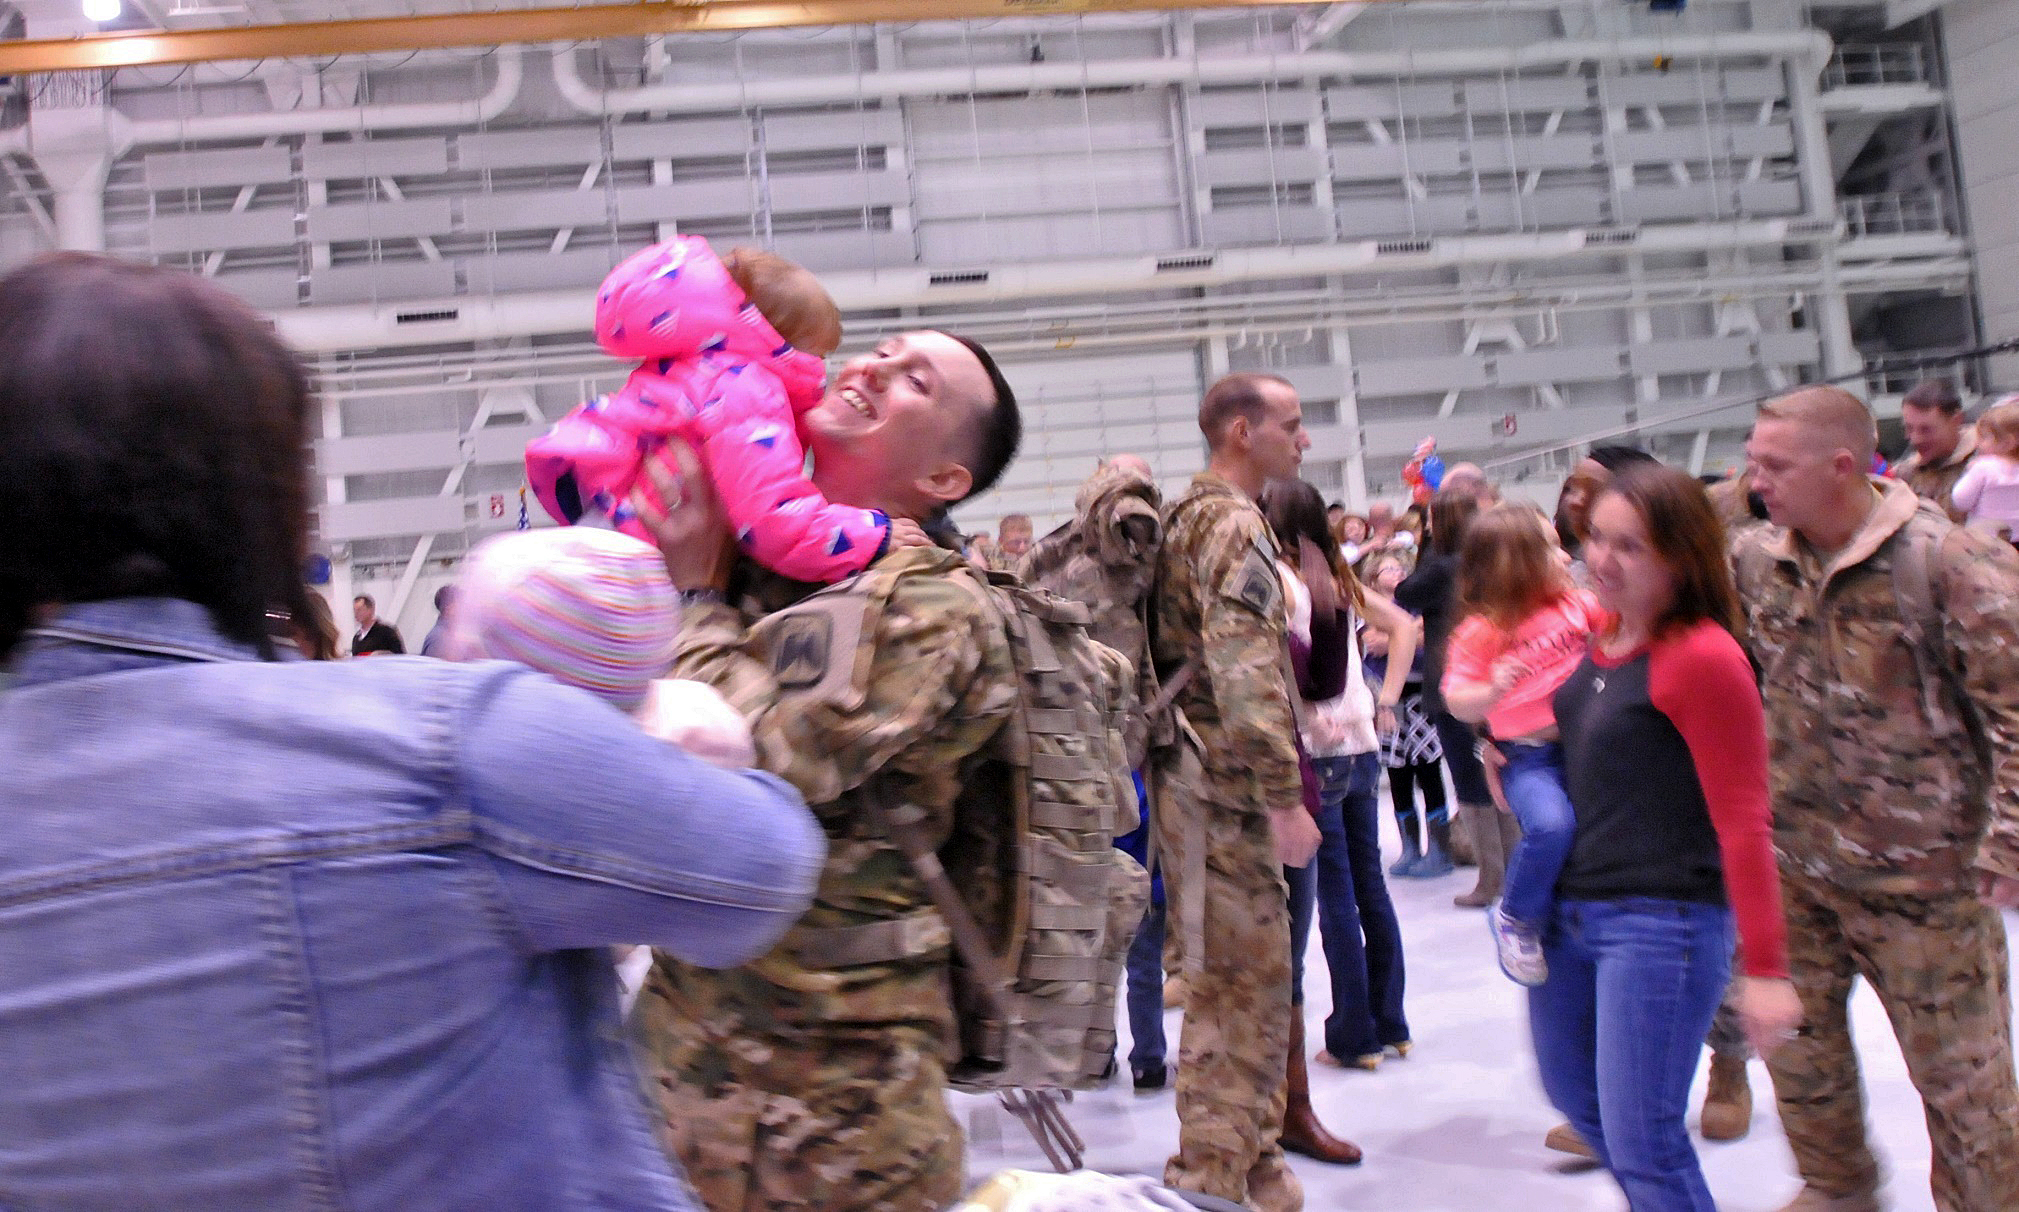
column 1458, row 1126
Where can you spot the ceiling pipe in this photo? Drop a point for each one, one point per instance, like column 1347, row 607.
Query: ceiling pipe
column 404, row 116
column 537, row 313
column 1810, row 46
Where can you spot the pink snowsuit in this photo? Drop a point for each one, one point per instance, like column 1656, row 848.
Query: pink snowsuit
column 717, row 374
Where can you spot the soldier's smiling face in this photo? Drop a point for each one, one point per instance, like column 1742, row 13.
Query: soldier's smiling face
column 895, row 417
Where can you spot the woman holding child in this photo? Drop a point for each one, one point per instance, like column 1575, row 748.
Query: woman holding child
column 1664, row 756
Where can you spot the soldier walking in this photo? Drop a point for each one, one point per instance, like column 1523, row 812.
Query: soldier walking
column 1220, row 606
column 1888, row 640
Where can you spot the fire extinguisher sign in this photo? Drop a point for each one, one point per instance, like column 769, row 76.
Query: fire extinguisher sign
column 1508, row 424
column 497, row 505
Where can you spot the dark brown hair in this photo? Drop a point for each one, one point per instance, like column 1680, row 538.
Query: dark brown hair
column 1508, row 568
column 153, row 435
column 1235, row 395
column 1685, row 531
column 1296, row 511
column 1938, row 394
column 1451, row 513
column 789, row 296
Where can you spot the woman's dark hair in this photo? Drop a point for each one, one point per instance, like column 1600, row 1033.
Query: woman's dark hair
column 315, row 630
column 1685, row 531
column 152, row 444
column 1451, row 514
column 1296, row 511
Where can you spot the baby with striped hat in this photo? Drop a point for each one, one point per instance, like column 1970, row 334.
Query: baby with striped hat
column 593, row 609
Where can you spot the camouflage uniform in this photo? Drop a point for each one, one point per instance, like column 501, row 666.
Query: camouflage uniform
column 1937, row 482
column 1885, row 810
column 814, row 1077
column 1106, row 558
column 1219, row 598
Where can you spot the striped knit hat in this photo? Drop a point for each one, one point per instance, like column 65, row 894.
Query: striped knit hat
column 592, row 608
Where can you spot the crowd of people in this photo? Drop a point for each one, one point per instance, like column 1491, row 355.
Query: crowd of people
column 689, row 887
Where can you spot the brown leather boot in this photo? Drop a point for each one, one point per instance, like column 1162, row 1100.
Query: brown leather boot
column 1813, row 1200
column 1302, row 1133
column 1728, row 1103
column 1481, row 821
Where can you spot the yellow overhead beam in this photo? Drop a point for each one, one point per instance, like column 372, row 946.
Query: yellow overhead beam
column 139, row 49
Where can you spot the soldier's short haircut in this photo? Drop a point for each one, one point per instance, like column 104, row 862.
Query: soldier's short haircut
column 1235, row 395
column 1937, row 394
column 1835, row 416
column 1013, row 519
column 1002, row 426
column 366, row 599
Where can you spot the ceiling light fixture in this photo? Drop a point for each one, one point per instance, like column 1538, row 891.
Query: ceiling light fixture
column 102, row 11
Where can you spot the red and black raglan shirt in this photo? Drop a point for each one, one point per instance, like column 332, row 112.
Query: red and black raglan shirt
column 1665, row 758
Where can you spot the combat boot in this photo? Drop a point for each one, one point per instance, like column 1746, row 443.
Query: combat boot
column 1302, row 1133
column 1412, row 849
column 1812, row 1200
column 1728, row 1103
column 1272, row 1188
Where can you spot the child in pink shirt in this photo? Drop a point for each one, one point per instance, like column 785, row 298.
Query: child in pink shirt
column 1525, row 632
column 731, row 351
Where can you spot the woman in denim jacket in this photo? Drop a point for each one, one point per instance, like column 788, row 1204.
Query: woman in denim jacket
column 283, row 934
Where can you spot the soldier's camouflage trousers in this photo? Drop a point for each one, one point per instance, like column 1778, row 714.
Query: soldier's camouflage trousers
column 864, row 1128
column 1236, row 1040
column 1940, row 968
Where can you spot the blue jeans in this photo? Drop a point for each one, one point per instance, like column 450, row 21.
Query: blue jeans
column 1356, row 920
column 1146, row 990
column 1619, row 1027
column 1532, row 781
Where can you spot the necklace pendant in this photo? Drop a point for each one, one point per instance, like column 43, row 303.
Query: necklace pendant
column 1598, row 684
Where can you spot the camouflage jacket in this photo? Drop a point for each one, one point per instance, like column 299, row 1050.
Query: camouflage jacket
column 899, row 675
column 1874, row 787
column 1106, row 557
column 1937, row 482
column 1219, row 598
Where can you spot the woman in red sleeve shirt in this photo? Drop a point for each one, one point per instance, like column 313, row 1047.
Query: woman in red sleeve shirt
column 1665, row 757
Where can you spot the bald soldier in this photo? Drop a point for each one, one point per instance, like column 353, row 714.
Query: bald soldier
column 1221, row 606
column 1888, row 643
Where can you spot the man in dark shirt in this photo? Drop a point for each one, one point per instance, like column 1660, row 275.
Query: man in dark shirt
column 373, row 635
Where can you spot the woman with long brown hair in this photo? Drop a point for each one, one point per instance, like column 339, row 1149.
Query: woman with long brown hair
column 1345, row 884
column 1665, row 756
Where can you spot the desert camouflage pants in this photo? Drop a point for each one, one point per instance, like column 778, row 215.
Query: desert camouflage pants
column 1236, row 1039
column 1940, row 968
column 864, row 1127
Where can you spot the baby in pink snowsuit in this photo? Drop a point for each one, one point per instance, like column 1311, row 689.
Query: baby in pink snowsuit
column 732, row 353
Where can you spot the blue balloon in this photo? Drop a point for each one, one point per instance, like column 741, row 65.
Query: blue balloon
column 315, row 569
column 1433, row 472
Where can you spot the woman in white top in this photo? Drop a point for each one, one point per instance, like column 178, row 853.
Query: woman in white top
column 1362, row 939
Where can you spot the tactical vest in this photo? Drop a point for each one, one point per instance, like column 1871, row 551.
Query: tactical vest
column 1040, row 906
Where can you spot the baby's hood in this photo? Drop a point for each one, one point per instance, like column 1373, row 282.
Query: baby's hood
column 675, row 302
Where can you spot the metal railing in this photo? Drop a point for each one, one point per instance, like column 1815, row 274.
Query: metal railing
column 1894, row 214
column 1897, row 373
column 1876, row 63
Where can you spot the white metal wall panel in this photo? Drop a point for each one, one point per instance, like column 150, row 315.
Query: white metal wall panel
column 397, row 518
column 1689, row 357
column 1266, row 225
column 1789, row 348
column 847, row 249
column 1537, row 366
column 371, row 281
column 388, row 452
column 379, row 220
column 360, row 158
column 1983, row 44
column 558, row 144
column 222, row 167
column 264, row 228
column 535, row 209
column 679, row 139
column 843, row 128
column 1420, row 376
column 507, row 272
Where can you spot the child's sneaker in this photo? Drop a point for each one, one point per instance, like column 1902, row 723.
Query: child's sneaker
column 1519, row 948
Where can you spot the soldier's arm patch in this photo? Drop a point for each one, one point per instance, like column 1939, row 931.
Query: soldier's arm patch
column 1254, row 583
column 815, row 648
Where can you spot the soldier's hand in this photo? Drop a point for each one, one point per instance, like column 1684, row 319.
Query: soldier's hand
column 1770, row 1011
column 1998, row 891
column 1297, row 836
column 680, row 510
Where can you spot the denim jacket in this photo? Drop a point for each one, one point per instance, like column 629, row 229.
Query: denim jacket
column 302, row 935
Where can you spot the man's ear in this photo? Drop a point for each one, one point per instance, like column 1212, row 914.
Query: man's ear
column 1239, row 433
column 946, row 485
